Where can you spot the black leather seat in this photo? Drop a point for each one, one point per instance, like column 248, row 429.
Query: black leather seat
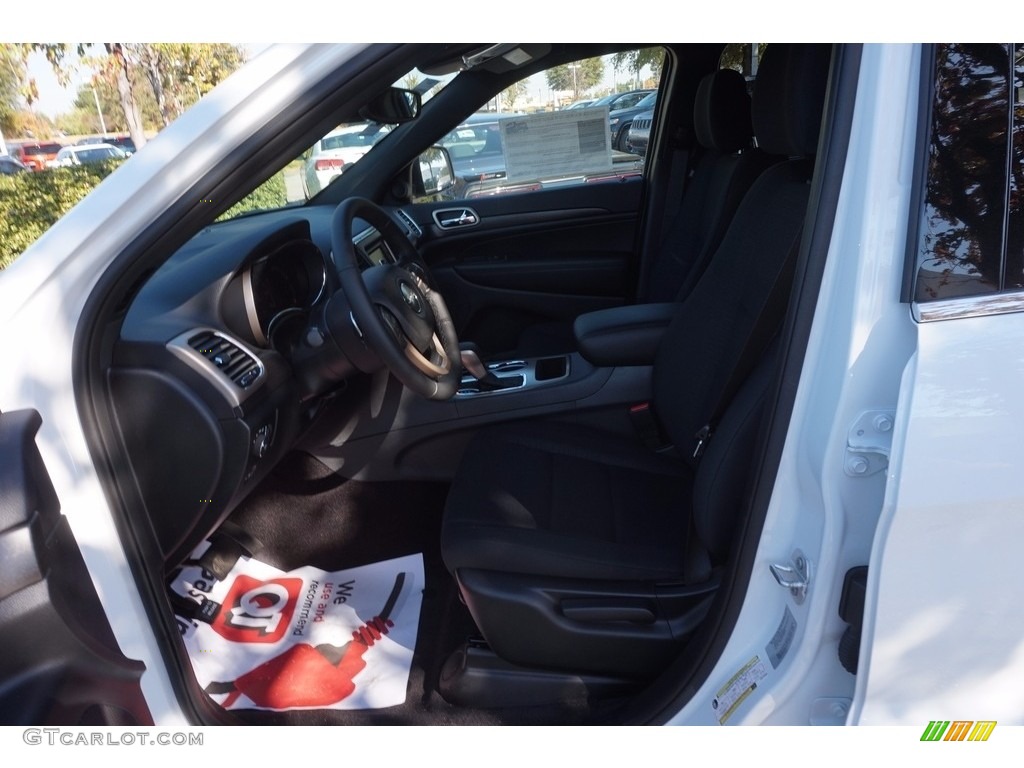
column 724, row 165
column 579, row 551
column 724, row 168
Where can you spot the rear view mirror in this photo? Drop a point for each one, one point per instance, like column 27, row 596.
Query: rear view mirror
column 395, row 105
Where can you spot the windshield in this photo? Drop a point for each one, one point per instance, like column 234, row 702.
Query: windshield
column 648, row 101
column 331, row 156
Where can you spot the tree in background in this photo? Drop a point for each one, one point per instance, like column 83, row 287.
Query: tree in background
column 114, row 67
column 179, row 74
column 118, row 68
column 738, row 56
column 153, row 82
column 635, row 61
column 576, row 77
column 512, row 94
column 12, row 75
column 84, row 118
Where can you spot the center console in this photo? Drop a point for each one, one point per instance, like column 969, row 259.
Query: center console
column 516, row 376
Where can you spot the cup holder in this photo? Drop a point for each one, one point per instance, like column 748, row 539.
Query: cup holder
column 549, row 368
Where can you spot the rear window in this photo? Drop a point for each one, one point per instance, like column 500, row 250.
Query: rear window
column 100, row 153
column 41, row 149
column 346, row 140
column 970, row 237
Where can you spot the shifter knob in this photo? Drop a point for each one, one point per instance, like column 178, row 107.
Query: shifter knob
column 472, row 363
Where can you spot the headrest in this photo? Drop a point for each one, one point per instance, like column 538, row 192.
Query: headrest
column 789, row 96
column 721, row 112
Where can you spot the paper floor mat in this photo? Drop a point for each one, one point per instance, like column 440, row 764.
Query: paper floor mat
column 303, row 639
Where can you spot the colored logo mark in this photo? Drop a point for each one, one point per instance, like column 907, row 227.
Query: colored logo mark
column 958, row 730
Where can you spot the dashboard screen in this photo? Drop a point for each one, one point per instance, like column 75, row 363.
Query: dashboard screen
column 377, row 256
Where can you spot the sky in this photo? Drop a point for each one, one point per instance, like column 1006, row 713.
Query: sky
column 55, row 99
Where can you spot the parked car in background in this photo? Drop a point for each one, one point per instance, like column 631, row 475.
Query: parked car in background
column 621, row 100
column 34, row 155
column 87, row 153
column 580, row 104
column 476, row 150
column 10, row 165
column 123, row 143
column 619, row 120
column 334, row 153
column 639, row 133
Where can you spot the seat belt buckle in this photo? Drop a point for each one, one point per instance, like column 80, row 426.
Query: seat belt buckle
column 702, row 436
column 646, row 425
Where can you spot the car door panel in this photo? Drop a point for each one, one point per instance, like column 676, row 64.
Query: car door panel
column 535, row 257
column 61, row 663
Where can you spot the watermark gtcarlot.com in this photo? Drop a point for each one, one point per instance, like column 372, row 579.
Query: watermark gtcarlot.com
column 56, row 737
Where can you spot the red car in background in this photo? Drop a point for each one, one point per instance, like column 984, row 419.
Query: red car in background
column 35, row 155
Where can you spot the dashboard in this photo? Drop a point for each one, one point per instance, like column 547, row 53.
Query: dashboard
column 285, row 284
column 209, row 359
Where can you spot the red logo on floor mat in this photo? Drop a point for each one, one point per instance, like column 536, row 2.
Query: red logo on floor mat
column 257, row 611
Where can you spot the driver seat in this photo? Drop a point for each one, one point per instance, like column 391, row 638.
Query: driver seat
column 580, row 551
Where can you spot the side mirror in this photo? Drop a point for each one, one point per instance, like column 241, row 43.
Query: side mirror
column 432, row 178
column 395, row 105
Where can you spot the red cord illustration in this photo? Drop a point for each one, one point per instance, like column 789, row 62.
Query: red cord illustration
column 308, row 676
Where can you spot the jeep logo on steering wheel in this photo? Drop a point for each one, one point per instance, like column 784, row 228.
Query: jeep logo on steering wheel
column 411, row 297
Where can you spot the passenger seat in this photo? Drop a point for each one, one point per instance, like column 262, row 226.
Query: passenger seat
column 576, row 550
column 724, row 166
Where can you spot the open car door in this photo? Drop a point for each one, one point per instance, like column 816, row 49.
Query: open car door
column 61, row 664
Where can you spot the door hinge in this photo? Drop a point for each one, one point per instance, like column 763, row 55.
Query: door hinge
column 868, row 443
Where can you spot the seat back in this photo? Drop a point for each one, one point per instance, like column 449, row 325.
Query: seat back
column 725, row 165
column 706, row 340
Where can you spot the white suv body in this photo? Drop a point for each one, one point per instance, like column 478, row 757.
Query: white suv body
column 902, row 451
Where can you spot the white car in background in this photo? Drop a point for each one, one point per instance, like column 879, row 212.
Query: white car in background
column 87, row 153
column 162, row 369
column 336, row 152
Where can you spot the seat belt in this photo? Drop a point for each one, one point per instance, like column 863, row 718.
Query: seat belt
column 765, row 327
column 682, row 169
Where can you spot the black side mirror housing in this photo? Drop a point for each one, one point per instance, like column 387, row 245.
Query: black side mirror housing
column 431, row 176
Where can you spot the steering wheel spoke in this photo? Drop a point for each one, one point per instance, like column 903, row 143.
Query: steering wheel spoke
column 441, row 367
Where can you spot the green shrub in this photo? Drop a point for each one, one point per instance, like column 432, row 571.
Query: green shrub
column 267, row 196
column 31, row 202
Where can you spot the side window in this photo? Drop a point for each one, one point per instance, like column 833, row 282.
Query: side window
column 567, row 125
column 743, row 57
column 971, row 233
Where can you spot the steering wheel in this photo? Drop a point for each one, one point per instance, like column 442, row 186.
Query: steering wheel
column 400, row 317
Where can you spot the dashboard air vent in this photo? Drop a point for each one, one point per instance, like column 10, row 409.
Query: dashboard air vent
column 237, row 364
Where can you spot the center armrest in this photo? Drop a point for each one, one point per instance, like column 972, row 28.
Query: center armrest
column 623, row 335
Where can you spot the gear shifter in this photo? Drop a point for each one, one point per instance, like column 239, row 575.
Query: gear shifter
column 486, row 380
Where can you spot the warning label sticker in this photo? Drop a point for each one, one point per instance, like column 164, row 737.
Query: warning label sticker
column 739, row 687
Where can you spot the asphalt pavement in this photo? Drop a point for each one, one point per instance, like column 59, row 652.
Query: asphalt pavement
column 293, row 185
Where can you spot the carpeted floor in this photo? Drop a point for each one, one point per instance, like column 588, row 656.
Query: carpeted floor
column 306, row 515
